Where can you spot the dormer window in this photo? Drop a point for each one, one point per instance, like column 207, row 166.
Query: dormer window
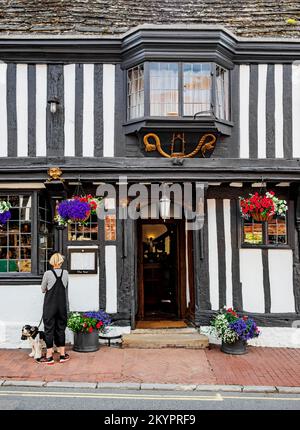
column 177, row 90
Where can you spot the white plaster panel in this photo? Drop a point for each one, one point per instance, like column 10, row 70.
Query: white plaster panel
column 213, row 260
column 251, row 275
column 281, row 280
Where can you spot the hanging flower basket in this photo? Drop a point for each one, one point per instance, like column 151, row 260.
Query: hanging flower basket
column 262, row 207
column 260, row 217
column 72, row 210
column 93, row 202
column 5, row 213
column 77, row 209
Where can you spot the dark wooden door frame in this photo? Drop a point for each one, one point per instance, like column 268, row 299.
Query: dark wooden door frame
column 181, row 266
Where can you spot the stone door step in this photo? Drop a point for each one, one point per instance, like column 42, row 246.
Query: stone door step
column 190, row 330
column 165, row 339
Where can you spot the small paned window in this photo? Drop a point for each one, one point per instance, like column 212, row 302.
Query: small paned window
column 16, row 235
column 272, row 232
column 135, row 92
column 222, row 93
column 88, row 231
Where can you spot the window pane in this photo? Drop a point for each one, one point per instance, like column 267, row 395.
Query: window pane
column 253, row 233
column 222, row 93
column 164, row 89
column 196, row 88
column 135, row 92
column 15, row 236
column 277, row 233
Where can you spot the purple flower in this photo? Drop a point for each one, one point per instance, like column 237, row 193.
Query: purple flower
column 74, row 210
column 99, row 316
column 4, row 217
column 245, row 329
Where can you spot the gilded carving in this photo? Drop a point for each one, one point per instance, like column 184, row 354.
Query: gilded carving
column 206, row 143
column 55, row 174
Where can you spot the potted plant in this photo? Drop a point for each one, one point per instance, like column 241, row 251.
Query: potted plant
column 86, row 327
column 234, row 331
column 262, row 207
column 5, row 213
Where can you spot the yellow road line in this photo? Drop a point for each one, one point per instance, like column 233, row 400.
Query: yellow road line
column 217, row 397
column 135, row 396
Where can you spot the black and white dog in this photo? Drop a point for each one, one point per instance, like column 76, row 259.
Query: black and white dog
column 36, row 339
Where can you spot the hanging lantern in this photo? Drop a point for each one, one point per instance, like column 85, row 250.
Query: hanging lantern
column 164, row 206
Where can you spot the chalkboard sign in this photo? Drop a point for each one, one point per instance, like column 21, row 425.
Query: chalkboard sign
column 83, row 261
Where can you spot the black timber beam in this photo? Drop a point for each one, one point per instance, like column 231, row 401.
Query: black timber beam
column 92, row 168
column 150, row 42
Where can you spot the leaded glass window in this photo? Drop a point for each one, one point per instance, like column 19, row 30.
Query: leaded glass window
column 197, row 82
column 272, row 232
column 88, row 231
column 164, row 89
column 135, row 92
column 16, row 235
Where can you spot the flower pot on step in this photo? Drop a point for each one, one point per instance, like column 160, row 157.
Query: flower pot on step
column 86, row 342
column 236, row 348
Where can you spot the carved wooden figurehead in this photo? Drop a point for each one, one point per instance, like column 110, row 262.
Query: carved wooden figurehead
column 55, row 173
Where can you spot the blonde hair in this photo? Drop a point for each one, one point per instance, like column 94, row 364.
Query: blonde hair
column 57, row 259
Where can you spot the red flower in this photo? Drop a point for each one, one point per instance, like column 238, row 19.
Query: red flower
column 99, row 324
column 84, row 325
column 90, row 329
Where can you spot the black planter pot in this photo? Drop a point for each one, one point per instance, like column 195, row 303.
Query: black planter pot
column 86, row 342
column 237, row 348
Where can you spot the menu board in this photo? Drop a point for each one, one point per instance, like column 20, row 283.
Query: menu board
column 82, row 261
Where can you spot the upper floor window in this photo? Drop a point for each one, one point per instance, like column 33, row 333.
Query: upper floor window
column 135, row 92
column 162, row 89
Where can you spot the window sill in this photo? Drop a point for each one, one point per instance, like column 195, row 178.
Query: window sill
column 206, row 123
column 20, row 279
column 246, row 246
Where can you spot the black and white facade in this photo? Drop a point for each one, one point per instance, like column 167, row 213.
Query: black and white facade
column 111, row 92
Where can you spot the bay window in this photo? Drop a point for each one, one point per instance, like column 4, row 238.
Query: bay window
column 173, row 89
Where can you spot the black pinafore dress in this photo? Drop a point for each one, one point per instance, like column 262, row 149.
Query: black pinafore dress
column 55, row 313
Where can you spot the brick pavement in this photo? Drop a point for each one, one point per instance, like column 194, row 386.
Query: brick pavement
column 261, row 366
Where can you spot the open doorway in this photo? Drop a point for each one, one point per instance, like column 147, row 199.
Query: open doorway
column 161, row 269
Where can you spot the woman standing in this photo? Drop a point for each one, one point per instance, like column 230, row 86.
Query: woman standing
column 54, row 286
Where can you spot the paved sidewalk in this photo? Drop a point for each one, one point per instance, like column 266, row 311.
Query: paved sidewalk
column 260, row 367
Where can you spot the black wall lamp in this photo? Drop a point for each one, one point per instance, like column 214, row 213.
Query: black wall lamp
column 53, row 102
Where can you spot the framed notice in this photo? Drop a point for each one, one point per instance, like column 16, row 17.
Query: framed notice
column 110, row 227
column 83, row 261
